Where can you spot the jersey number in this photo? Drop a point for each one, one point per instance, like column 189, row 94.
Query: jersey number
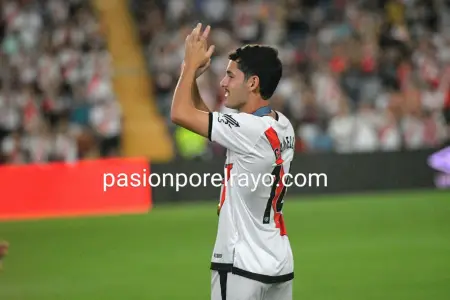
column 275, row 201
column 228, row 168
column 278, row 190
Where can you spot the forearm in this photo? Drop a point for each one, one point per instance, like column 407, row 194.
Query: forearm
column 197, row 98
column 183, row 112
column 183, row 97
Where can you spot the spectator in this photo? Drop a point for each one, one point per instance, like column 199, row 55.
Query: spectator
column 358, row 75
column 56, row 94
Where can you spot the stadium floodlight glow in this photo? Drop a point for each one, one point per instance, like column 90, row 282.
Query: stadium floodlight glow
column 440, row 161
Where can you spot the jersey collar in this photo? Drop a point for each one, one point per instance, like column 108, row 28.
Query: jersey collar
column 262, row 111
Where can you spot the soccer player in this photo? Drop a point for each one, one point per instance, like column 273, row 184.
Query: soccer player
column 252, row 257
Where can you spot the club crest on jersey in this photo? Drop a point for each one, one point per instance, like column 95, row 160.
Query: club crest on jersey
column 227, row 120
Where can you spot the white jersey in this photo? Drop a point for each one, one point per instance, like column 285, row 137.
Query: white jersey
column 251, row 238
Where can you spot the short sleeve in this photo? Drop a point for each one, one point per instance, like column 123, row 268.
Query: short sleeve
column 238, row 132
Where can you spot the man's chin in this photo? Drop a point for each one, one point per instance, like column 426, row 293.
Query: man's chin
column 228, row 104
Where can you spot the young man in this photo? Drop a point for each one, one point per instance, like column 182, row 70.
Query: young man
column 252, row 257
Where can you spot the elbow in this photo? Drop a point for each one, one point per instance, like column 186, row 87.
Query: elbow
column 175, row 117
column 180, row 111
column 178, row 114
column 174, row 112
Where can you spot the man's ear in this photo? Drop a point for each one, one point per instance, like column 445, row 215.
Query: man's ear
column 253, row 83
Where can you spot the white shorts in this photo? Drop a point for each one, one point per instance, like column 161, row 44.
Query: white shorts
column 228, row 286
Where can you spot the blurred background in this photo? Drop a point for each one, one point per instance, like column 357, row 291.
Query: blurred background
column 359, row 76
column 366, row 85
column 57, row 102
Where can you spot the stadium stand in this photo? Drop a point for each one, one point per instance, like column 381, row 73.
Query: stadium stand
column 359, row 76
column 142, row 123
column 56, row 97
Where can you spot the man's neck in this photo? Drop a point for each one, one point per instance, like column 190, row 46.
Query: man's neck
column 253, row 106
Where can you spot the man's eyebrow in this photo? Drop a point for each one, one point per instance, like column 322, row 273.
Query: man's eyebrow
column 229, row 72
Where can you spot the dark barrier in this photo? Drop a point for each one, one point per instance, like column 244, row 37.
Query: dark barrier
column 344, row 173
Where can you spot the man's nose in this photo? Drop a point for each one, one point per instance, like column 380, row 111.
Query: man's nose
column 223, row 83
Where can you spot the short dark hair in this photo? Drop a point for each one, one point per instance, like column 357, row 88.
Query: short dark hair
column 261, row 61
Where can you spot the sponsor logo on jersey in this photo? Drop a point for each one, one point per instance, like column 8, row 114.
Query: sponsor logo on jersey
column 287, row 143
column 227, row 120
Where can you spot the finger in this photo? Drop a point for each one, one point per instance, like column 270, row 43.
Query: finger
column 205, row 33
column 197, row 29
column 210, row 50
column 206, row 66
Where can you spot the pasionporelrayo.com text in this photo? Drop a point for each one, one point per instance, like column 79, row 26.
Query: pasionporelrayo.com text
column 180, row 180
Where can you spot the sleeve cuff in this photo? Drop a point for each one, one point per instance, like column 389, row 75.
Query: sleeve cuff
column 210, row 125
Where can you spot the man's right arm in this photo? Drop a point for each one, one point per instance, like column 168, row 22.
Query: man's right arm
column 197, row 98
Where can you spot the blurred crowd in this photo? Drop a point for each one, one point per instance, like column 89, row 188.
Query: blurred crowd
column 358, row 75
column 56, row 98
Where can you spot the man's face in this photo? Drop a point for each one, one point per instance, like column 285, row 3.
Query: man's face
column 234, row 84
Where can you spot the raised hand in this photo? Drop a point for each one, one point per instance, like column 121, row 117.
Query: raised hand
column 197, row 54
column 204, row 67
